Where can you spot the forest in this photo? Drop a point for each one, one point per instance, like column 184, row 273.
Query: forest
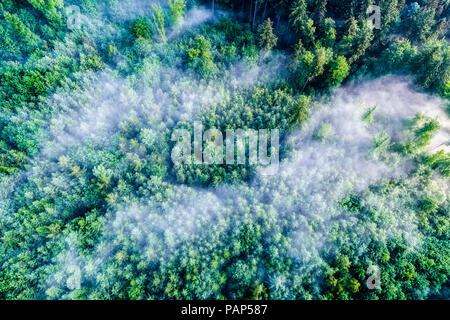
column 93, row 207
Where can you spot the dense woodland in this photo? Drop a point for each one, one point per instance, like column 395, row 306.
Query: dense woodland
column 92, row 207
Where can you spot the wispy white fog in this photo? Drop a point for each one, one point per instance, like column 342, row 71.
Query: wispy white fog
column 332, row 157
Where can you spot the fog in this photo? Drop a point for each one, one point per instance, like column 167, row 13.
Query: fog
column 302, row 199
column 329, row 158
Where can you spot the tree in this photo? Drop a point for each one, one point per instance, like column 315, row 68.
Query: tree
column 158, row 20
column 359, row 9
column 346, row 43
column 50, row 9
column 300, row 110
column 324, row 132
column 267, row 40
column 30, row 39
column 397, row 57
column 254, row 13
column 199, row 57
column 425, row 130
column 419, row 26
column 445, row 90
column 264, row 14
column 177, row 9
column 327, row 33
column 338, row 71
column 300, row 21
column 311, row 66
column 390, row 16
column 295, row 58
column 141, row 28
column 356, row 41
column 432, row 64
column 320, row 10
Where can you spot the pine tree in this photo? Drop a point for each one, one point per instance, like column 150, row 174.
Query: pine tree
column 300, row 21
column 361, row 42
column 356, row 41
column 391, row 14
column 419, row 27
column 433, row 64
column 294, row 60
column 311, row 65
column 327, row 32
column 267, row 40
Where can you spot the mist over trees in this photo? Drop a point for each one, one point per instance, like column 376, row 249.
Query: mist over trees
column 92, row 206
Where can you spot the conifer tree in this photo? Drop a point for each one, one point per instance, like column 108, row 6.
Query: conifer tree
column 301, row 22
column 267, row 40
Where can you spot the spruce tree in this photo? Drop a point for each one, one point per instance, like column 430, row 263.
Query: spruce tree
column 267, row 40
column 302, row 24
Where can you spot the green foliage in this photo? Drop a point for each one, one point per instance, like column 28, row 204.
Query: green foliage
column 432, row 65
column 267, row 40
column 300, row 110
column 338, row 71
column 141, row 28
column 31, row 41
column 419, row 27
column 200, row 58
column 422, row 129
column 398, row 56
column 158, row 20
column 381, row 146
column 311, row 65
column 327, row 33
column 87, row 181
column 300, row 21
column 368, row 116
column 445, row 90
column 51, row 10
column 356, row 41
column 324, row 132
column 177, row 9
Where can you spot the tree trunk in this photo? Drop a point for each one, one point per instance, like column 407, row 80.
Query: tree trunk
column 254, row 14
column 250, row 15
column 304, row 86
column 262, row 56
column 265, row 10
